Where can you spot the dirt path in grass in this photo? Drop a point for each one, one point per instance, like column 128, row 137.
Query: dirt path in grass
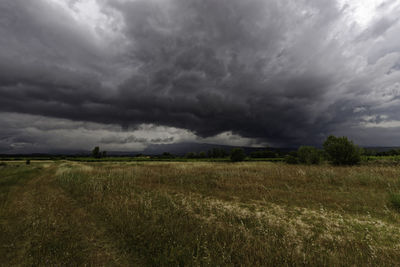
column 41, row 225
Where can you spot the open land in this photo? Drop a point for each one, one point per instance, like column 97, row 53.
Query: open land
column 57, row 213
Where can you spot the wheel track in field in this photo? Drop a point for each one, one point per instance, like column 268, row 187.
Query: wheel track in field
column 44, row 226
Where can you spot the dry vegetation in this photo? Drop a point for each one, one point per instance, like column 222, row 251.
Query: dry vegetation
column 199, row 213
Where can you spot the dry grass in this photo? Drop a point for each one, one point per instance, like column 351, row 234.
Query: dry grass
column 199, row 214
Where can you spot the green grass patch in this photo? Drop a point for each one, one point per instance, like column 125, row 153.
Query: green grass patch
column 395, row 200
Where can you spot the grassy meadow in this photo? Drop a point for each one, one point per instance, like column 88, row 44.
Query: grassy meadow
column 68, row 213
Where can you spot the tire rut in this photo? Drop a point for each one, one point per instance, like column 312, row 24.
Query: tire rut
column 46, row 227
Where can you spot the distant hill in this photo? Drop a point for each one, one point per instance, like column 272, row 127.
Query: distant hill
column 178, row 149
column 381, row 148
column 181, row 149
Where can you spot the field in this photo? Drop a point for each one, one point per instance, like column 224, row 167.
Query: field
column 69, row 213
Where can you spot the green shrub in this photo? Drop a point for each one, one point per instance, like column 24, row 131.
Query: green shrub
column 291, row 159
column 395, row 200
column 341, row 151
column 237, row 154
column 308, row 155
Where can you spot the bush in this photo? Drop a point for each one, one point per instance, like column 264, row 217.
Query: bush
column 341, row 151
column 291, row 159
column 237, row 154
column 308, row 155
column 28, row 161
column 395, row 200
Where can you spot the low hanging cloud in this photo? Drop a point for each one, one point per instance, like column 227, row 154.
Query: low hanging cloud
column 277, row 72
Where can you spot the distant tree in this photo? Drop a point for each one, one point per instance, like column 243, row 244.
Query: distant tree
column 263, row 154
column 190, row 155
column 237, row 154
column 216, row 153
column 308, row 155
column 341, row 151
column 391, row 152
column 291, row 158
column 223, row 153
column 256, row 154
column 167, row 155
column 104, row 154
column 280, row 153
column 202, row 154
column 369, row 152
column 96, row 152
column 28, row 161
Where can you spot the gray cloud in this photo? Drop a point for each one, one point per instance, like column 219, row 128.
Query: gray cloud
column 134, row 139
column 280, row 72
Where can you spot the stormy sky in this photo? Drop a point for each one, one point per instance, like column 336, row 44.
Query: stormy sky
column 124, row 74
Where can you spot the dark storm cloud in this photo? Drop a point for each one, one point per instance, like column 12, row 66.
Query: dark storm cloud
column 284, row 72
column 214, row 66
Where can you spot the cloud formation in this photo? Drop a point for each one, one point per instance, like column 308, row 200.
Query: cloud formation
column 277, row 72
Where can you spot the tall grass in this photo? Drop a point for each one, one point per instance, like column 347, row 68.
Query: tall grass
column 198, row 214
column 242, row 214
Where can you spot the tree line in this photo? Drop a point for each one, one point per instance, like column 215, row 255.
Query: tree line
column 337, row 150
